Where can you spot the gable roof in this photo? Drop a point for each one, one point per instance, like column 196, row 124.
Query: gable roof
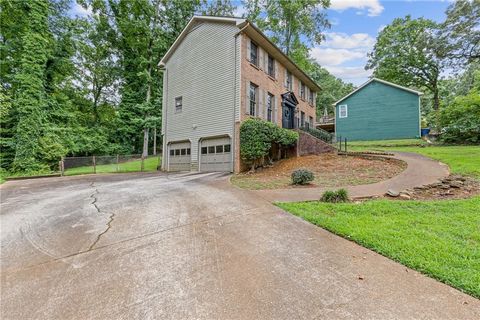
column 381, row 81
column 253, row 32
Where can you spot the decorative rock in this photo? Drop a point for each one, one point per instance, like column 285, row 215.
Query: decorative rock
column 392, row 193
column 456, row 184
column 444, row 186
column 405, row 196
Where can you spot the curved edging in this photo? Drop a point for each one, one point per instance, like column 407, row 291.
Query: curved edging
column 420, row 171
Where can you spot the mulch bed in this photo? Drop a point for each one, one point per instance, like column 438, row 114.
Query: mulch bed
column 330, row 170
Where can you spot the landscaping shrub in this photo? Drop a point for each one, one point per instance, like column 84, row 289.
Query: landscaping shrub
column 257, row 136
column 460, row 121
column 340, row 195
column 302, row 176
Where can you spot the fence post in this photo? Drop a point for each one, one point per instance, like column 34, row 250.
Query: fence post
column 94, row 165
column 118, row 167
column 61, row 167
column 345, row 146
column 142, row 165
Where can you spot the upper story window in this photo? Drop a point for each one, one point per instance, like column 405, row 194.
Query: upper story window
column 302, row 90
column 178, row 104
column 253, row 99
column 288, row 81
column 342, row 111
column 310, row 97
column 271, row 66
column 253, row 53
column 270, row 100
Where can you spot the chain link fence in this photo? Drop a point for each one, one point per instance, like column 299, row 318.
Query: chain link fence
column 109, row 164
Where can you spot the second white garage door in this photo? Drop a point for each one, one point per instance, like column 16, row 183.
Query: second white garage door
column 216, row 154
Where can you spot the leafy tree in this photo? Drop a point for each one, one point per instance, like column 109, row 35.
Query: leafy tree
column 460, row 120
column 223, row 8
column 98, row 71
column 405, row 53
column 294, row 26
column 30, row 102
column 459, row 34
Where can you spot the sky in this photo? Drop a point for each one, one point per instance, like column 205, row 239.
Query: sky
column 355, row 26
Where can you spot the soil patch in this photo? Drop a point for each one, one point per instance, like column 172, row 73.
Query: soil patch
column 330, row 170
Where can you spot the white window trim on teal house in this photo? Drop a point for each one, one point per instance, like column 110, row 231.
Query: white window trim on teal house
column 340, row 111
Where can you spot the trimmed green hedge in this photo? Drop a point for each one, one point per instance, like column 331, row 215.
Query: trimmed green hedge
column 257, row 137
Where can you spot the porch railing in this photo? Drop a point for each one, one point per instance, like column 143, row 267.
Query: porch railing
column 319, row 133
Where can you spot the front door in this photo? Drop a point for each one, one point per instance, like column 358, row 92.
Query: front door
column 287, row 119
column 289, row 103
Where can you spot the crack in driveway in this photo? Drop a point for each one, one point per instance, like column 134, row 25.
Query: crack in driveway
column 247, row 212
column 110, row 218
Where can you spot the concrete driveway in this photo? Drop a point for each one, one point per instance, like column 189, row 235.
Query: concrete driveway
column 190, row 246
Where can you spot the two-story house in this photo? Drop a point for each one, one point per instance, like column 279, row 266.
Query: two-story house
column 219, row 72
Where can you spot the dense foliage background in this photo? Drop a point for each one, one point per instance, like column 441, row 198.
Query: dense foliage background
column 72, row 86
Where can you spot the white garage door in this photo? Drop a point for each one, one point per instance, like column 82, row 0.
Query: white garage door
column 179, row 157
column 216, row 155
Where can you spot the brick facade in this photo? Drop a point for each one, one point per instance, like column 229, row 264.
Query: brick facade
column 308, row 144
column 266, row 84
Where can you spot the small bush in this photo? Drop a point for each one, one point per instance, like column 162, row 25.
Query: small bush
column 340, row 195
column 302, row 176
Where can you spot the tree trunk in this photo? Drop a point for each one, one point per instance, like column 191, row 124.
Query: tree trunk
column 436, row 100
column 145, row 143
column 155, row 141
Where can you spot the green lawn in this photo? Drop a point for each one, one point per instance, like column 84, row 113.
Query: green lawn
column 438, row 238
column 386, row 143
column 463, row 160
column 151, row 164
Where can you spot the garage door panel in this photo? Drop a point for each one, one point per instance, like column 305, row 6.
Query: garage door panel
column 215, row 155
column 179, row 156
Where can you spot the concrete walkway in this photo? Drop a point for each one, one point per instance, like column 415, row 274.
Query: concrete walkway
column 420, row 171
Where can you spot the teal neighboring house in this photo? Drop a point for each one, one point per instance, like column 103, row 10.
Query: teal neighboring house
column 378, row 110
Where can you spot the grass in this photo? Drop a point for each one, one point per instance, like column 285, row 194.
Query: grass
column 438, row 238
column 150, row 164
column 387, row 143
column 463, row 160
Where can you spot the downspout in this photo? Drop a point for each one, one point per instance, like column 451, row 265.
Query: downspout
column 234, row 149
column 164, row 116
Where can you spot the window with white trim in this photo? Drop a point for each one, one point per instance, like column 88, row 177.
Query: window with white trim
column 271, row 66
column 253, row 53
column 178, row 104
column 288, row 82
column 253, row 99
column 269, row 107
column 342, row 111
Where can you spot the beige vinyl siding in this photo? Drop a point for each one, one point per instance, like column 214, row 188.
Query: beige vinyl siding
column 202, row 70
